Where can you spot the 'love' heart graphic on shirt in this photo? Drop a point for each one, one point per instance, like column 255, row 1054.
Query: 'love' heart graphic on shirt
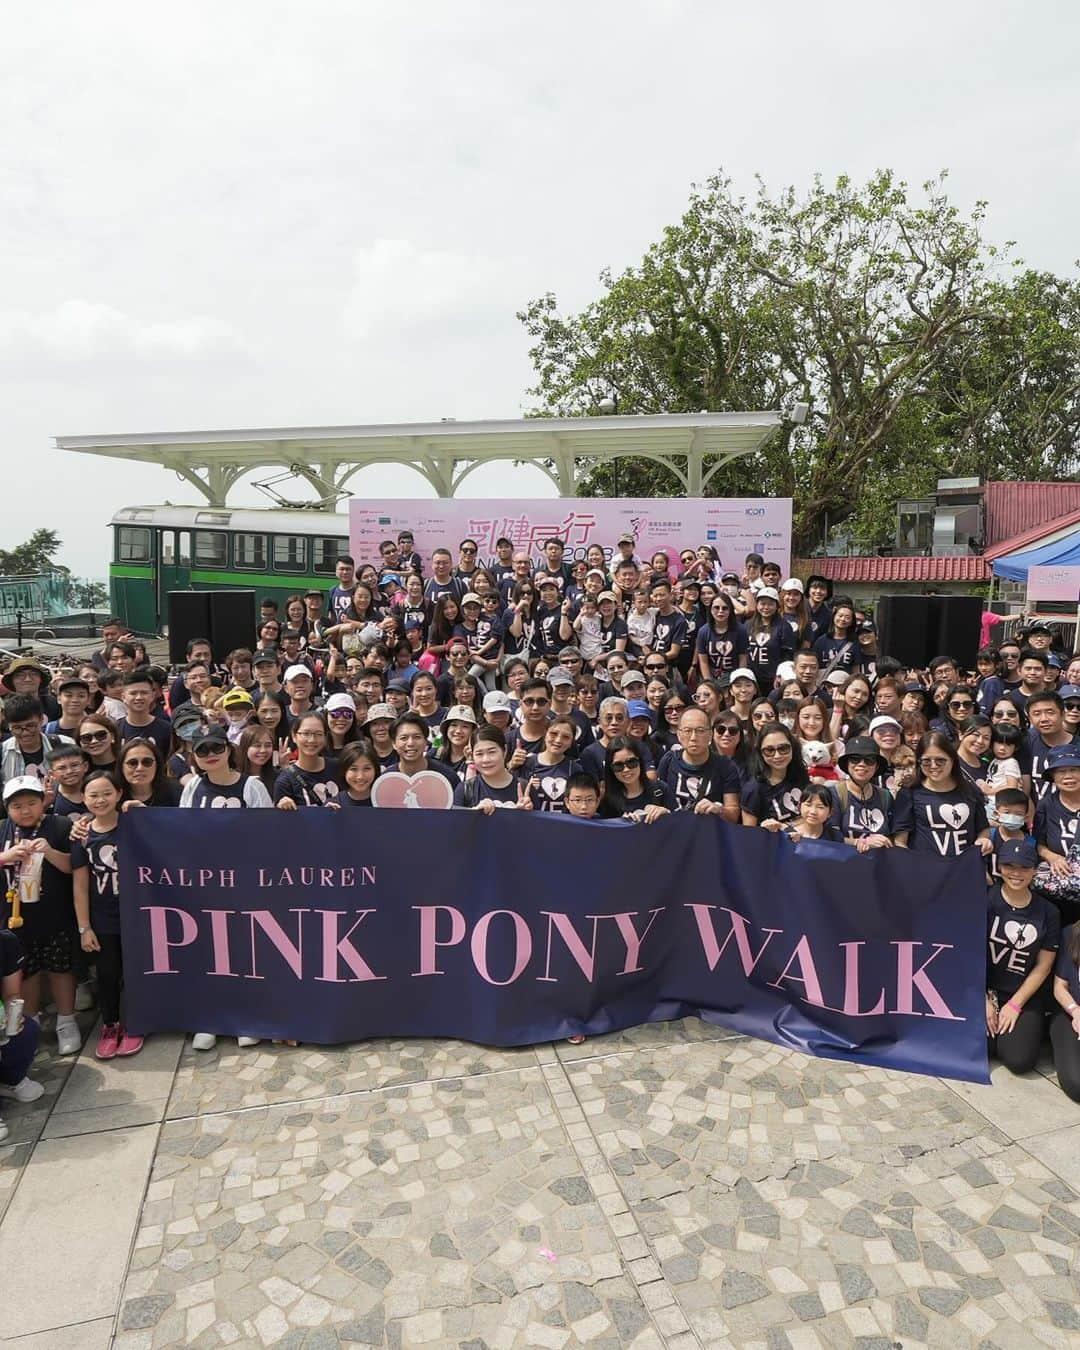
column 955, row 815
column 790, row 800
column 424, row 789
column 553, row 787
column 1021, row 934
column 873, row 820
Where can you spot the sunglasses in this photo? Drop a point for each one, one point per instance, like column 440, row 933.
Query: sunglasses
column 93, row 737
column 728, row 731
column 139, row 763
column 631, row 762
column 657, row 665
column 468, row 550
column 340, row 714
column 534, row 702
column 771, row 751
column 934, row 763
column 961, row 703
column 862, row 759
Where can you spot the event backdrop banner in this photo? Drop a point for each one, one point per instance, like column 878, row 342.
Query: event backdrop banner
column 323, row 926
column 735, row 526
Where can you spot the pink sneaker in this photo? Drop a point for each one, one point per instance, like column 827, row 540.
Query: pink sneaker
column 129, row 1044
column 108, row 1041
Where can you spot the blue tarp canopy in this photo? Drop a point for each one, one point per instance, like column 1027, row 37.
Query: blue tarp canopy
column 1063, row 552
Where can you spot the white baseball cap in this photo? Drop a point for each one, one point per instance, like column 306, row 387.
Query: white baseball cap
column 24, row 783
column 768, row 593
column 340, row 702
column 884, row 721
column 793, row 584
column 742, row 674
column 497, row 701
column 785, row 670
column 294, row 672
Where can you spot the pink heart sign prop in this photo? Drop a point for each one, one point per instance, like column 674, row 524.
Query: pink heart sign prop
column 426, row 789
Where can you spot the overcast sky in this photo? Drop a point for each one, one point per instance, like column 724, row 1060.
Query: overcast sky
column 266, row 214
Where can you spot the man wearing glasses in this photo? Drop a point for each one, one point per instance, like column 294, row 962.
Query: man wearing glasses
column 467, row 551
column 700, row 780
column 553, row 565
column 527, row 738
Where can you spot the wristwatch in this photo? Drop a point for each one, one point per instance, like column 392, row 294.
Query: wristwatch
column 84, row 930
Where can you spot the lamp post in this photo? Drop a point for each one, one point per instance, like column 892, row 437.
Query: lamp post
column 609, row 407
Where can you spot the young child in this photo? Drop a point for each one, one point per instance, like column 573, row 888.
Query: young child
column 68, row 766
column 582, row 797
column 96, row 872
column 589, row 629
column 815, row 808
column 239, row 708
column 36, row 856
column 1011, row 825
column 1003, row 771
column 110, row 683
column 641, row 622
column 17, row 1052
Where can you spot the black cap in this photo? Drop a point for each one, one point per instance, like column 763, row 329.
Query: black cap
column 267, row 657
column 210, row 740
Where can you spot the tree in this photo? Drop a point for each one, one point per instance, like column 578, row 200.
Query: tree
column 35, row 555
column 85, row 593
column 855, row 300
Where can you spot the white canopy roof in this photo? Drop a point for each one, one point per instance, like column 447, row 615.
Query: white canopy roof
column 443, row 452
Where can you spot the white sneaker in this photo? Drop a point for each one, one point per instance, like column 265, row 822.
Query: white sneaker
column 68, row 1038
column 244, row 1042
column 203, row 1040
column 26, row 1091
column 84, row 998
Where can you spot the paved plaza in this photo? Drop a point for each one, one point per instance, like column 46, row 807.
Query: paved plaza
column 673, row 1185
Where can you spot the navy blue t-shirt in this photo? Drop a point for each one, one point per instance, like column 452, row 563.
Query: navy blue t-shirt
column 945, row 823
column 99, row 854
column 1014, row 939
column 771, row 801
column 1055, row 825
column 692, row 783
column 722, row 649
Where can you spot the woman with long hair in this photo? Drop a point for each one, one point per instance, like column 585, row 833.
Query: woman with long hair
column 519, row 623
column 942, row 814
column 958, row 705
column 424, row 699
column 311, row 779
column 144, row 780
column 795, row 611
column 840, row 649
column 547, row 771
column 774, row 788
column 445, row 616
column 254, row 756
column 270, row 715
column 729, row 739
column 627, row 791
column 853, row 698
column 972, row 748
column 458, row 730
column 99, row 736
column 341, row 720
column 769, row 639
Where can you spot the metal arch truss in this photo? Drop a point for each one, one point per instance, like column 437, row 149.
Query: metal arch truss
column 691, row 446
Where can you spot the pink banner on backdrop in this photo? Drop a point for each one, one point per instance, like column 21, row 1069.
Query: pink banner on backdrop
column 1053, row 583
column 734, row 526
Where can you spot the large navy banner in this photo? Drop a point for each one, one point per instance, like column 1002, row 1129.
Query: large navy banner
column 327, row 926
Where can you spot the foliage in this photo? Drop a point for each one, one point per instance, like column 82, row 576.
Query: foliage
column 888, row 316
column 35, row 555
column 85, row 593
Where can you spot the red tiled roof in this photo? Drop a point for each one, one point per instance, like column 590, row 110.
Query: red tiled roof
column 969, row 567
column 1014, row 508
column 1018, row 541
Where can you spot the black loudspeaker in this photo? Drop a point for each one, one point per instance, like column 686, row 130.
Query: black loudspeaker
column 916, row 628
column 959, row 623
column 225, row 618
column 905, row 628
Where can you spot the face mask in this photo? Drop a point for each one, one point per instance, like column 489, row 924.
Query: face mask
column 1011, row 822
column 788, row 722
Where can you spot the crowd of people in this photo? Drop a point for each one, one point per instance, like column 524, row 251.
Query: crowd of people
column 615, row 687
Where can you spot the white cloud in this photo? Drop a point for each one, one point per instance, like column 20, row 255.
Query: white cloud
column 399, row 285
column 86, row 331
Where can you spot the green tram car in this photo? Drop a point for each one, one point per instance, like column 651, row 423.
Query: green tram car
column 157, row 549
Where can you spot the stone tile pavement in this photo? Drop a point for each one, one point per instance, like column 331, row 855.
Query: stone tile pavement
column 669, row 1186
